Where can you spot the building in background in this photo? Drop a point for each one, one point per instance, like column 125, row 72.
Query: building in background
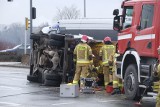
column 96, row 28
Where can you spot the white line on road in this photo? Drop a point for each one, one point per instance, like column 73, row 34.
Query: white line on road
column 109, row 101
column 10, row 104
column 17, row 78
column 58, row 104
column 11, row 88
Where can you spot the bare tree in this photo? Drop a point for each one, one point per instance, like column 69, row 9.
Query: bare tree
column 68, row 13
column 39, row 28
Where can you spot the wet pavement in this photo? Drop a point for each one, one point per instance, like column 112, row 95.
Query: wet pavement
column 13, row 64
column 16, row 91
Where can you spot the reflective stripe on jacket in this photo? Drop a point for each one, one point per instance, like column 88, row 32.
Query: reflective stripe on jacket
column 82, row 52
column 107, row 52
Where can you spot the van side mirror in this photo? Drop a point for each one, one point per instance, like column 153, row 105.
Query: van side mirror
column 116, row 23
column 116, row 12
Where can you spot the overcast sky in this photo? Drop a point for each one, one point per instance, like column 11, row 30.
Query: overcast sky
column 16, row 11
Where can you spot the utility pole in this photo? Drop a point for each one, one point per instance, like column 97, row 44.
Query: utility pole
column 25, row 42
column 27, row 24
column 84, row 8
column 30, row 17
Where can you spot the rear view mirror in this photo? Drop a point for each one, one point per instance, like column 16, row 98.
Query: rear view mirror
column 116, row 23
column 116, row 12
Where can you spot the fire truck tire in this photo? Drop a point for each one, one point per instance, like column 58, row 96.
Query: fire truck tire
column 32, row 78
column 55, row 77
column 131, row 85
column 56, row 43
column 52, row 83
column 57, row 37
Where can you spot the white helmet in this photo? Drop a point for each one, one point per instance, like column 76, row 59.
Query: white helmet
column 46, row 30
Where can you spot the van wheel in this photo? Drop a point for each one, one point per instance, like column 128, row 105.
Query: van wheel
column 57, row 37
column 54, row 77
column 56, row 43
column 131, row 85
column 32, row 78
column 35, row 36
column 51, row 83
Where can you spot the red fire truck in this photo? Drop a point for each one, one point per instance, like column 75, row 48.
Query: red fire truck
column 138, row 41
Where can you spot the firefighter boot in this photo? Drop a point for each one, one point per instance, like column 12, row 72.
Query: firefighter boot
column 116, row 91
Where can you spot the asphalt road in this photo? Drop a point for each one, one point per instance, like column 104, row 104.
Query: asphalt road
column 16, row 91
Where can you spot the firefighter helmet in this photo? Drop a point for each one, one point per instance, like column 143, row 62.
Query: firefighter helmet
column 107, row 39
column 84, row 38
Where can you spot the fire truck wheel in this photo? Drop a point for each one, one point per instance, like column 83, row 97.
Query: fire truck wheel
column 131, row 85
column 57, row 37
column 51, row 83
column 55, row 77
column 32, row 78
column 56, row 43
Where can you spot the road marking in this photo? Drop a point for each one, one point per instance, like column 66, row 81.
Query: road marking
column 109, row 101
column 17, row 78
column 12, row 88
column 58, row 104
column 10, row 104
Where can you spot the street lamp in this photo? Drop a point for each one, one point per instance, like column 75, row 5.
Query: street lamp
column 30, row 16
column 84, row 8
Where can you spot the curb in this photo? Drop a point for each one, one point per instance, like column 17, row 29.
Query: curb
column 15, row 66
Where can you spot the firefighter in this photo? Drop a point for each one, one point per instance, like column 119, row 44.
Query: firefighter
column 106, row 51
column 158, row 96
column 82, row 58
column 116, row 80
column 157, row 73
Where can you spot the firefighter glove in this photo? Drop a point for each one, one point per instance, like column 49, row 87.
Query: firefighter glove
column 155, row 73
column 110, row 63
column 94, row 70
column 100, row 58
column 90, row 57
column 110, row 72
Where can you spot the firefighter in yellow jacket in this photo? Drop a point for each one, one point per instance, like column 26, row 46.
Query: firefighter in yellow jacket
column 157, row 73
column 83, row 58
column 106, row 51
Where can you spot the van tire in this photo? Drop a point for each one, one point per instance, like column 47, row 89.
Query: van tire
column 55, row 77
column 35, row 36
column 56, row 43
column 51, row 83
column 32, row 78
column 57, row 37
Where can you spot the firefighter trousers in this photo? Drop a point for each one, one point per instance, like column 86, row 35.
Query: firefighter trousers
column 158, row 99
column 107, row 75
column 117, row 82
column 81, row 71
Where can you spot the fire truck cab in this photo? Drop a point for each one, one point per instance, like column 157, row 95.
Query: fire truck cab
column 138, row 41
